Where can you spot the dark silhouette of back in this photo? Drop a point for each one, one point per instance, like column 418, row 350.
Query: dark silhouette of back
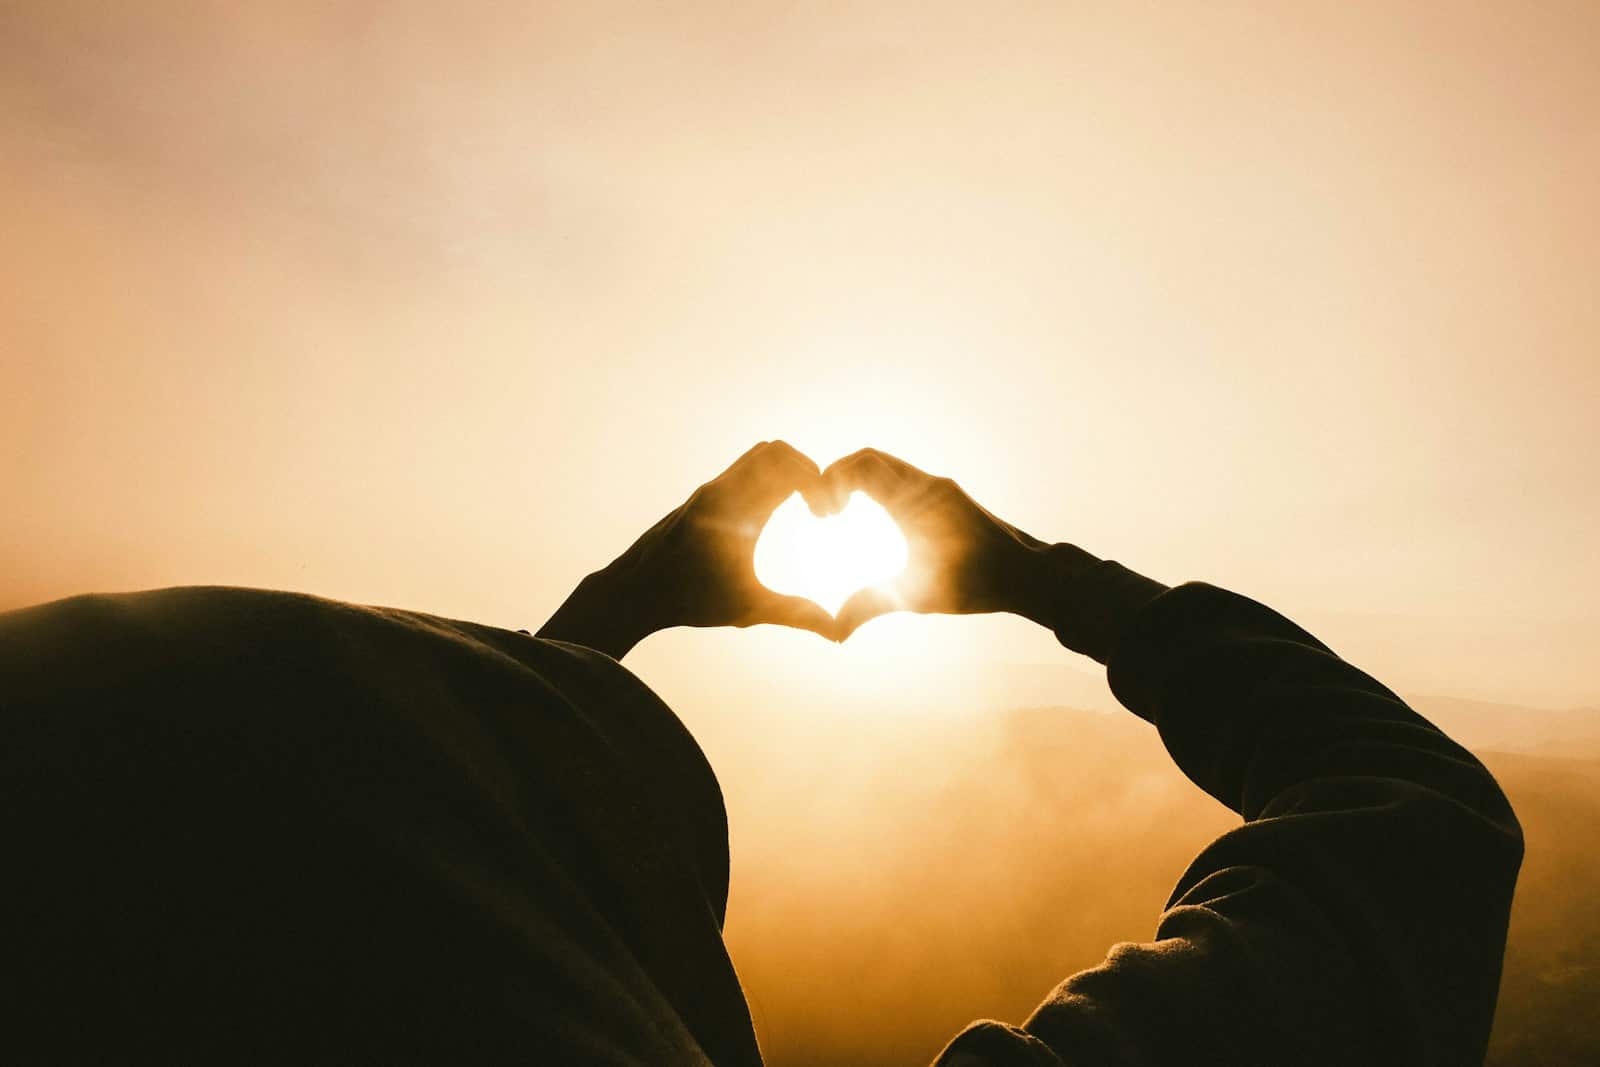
column 251, row 826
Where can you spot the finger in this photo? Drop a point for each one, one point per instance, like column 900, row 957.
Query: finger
column 820, row 502
column 782, row 453
column 844, row 475
column 867, row 470
column 798, row 612
column 826, row 497
column 865, row 605
column 776, row 470
column 890, row 460
column 744, row 459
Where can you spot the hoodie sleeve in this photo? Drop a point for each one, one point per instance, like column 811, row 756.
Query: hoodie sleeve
column 1359, row 913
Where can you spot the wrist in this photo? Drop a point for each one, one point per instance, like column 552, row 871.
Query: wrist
column 605, row 613
column 1087, row 602
column 1044, row 579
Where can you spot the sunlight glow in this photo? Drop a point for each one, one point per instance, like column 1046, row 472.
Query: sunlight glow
column 827, row 559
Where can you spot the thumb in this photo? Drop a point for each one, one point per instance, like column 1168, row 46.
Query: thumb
column 798, row 612
column 865, row 605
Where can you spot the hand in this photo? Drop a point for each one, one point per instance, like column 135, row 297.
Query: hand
column 960, row 558
column 696, row 567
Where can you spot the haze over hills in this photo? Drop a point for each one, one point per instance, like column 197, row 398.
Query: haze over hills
column 895, row 878
column 922, row 837
column 1551, row 981
column 1565, row 733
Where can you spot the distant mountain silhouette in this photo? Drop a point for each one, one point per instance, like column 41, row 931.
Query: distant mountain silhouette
column 1569, row 733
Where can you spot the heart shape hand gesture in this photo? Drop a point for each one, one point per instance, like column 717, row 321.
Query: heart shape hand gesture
column 699, row 565
column 828, row 559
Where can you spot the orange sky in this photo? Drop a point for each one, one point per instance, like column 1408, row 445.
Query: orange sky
column 441, row 305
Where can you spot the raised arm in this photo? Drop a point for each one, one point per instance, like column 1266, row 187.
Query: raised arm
column 1359, row 914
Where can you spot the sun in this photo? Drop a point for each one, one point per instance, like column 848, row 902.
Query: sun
column 826, row 560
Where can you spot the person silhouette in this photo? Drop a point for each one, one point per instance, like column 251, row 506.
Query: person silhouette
column 256, row 826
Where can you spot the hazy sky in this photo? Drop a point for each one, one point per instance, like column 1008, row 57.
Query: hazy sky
column 440, row 305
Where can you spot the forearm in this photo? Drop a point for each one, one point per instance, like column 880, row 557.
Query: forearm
column 1245, row 700
column 604, row 613
column 1087, row 602
column 1253, row 707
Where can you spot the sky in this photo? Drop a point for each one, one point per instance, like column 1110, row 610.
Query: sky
column 440, row 306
